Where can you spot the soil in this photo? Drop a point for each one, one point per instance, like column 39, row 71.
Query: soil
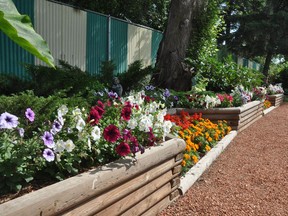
column 249, row 178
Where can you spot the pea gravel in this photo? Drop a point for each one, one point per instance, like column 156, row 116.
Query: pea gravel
column 249, row 178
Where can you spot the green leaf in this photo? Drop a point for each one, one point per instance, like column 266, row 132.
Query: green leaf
column 19, row 29
column 28, row 179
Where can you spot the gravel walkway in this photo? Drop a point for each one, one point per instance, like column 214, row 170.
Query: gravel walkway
column 249, row 178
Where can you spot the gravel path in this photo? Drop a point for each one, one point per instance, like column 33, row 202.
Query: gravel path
column 249, row 178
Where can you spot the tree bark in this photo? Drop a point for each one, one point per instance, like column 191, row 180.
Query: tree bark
column 267, row 65
column 172, row 72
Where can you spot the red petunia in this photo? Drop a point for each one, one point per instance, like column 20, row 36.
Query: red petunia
column 126, row 113
column 123, row 149
column 100, row 104
column 111, row 133
column 100, row 110
column 94, row 116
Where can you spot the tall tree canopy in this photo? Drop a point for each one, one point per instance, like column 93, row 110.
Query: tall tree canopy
column 258, row 28
column 152, row 13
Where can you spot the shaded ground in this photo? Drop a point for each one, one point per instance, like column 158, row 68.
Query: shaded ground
column 249, row 178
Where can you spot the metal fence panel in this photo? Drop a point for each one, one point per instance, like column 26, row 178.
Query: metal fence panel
column 97, row 42
column 145, row 45
column 119, row 31
column 12, row 55
column 133, row 45
column 156, row 39
column 64, row 29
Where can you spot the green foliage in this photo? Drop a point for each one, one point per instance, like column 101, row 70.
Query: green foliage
column 152, row 13
column 19, row 29
column 12, row 84
column 284, row 79
column 203, row 45
column 134, row 77
column 46, row 81
column 107, row 72
column 223, row 77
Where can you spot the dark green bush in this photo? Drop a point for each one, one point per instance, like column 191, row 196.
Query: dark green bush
column 46, row 80
column 107, row 71
column 283, row 78
column 133, row 78
column 12, row 84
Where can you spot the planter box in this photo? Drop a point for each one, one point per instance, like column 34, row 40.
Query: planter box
column 127, row 187
column 237, row 117
column 276, row 100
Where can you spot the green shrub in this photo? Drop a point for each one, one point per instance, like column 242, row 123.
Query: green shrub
column 12, row 84
column 107, row 71
column 283, row 78
column 134, row 77
column 223, row 77
column 46, row 80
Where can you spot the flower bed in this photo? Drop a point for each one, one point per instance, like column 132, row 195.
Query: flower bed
column 126, row 187
column 276, row 99
column 238, row 118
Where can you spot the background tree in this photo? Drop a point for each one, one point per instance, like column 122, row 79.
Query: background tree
column 260, row 29
column 152, row 13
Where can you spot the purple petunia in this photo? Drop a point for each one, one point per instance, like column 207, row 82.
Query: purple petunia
column 30, row 115
column 8, row 121
column 48, row 139
column 112, row 94
column 49, row 155
column 166, row 93
column 149, row 87
column 56, row 127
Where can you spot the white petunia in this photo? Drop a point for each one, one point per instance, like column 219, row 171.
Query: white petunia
column 96, row 133
column 132, row 124
column 89, row 143
column 59, row 146
column 80, row 124
column 62, row 111
column 69, row 145
column 76, row 112
column 145, row 123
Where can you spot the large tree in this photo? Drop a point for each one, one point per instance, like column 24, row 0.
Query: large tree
column 173, row 72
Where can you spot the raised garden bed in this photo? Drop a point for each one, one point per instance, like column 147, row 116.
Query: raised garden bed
column 127, row 187
column 238, row 118
column 276, row 100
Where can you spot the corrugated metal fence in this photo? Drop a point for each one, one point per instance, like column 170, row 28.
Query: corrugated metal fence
column 82, row 38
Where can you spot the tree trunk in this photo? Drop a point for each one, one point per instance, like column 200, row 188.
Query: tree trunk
column 172, row 72
column 267, row 65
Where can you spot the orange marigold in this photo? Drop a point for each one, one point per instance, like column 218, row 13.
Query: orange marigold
column 186, row 156
column 183, row 163
column 195, row 159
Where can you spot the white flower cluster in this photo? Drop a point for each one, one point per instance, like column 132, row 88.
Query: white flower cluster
column 148, row 116
column 245, row 95
column 211, row 101
column 275, row 89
